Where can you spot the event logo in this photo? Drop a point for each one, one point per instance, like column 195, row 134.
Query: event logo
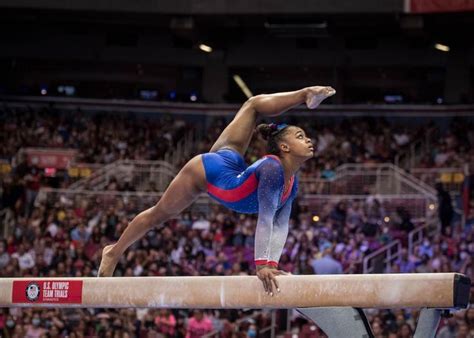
column 33, row 291
column 47, row 291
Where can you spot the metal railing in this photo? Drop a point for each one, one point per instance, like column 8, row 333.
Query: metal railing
column 451, row 178
column 416, row 236
column 409, row 157
column 82, row 170
column 161, row 172
column 417, row 205
column 381, row 261
column 383, row 170
column 358, row 179
column 183, row 149
column 140, row 200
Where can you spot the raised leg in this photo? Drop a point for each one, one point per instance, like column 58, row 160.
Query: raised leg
column 182, row 192
column 238, row 133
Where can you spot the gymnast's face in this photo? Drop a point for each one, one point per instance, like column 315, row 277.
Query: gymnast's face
column 296, row 143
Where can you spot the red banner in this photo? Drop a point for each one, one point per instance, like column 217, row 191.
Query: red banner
column 434, row 6
column 47, row 292
column 49, row 157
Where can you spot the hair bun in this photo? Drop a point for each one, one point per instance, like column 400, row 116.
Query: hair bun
column 265, row 130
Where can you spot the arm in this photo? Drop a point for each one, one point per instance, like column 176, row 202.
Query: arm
column 279, row 234
column 270, row 185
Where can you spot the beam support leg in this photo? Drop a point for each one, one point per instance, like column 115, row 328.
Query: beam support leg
column 427, row 323
column 339, row 321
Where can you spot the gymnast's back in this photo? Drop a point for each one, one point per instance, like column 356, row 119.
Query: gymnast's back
column 243, row 188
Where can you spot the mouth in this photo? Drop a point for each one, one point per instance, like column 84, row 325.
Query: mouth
column 311, row 148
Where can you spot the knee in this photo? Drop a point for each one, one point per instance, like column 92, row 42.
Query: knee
column 252, row 101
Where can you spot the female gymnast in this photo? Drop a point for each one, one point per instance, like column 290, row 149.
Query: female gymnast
column 267, row 187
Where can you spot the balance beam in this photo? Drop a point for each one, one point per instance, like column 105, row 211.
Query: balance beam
column 440, row 290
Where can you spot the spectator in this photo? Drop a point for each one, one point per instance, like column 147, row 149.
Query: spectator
column 198, row 325
column 33, row 184
column 35, row 330
column 166, row 323
column 4, row 256
column 405, row 331
column 445, row 207
column 450, row 330
column 80, row 234
column 25, row 258
column 404, row 220
column 326, row 265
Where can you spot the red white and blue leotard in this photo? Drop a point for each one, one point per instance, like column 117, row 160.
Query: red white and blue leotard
column 254, row 189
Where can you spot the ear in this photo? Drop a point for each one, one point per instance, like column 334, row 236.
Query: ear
column 284, row 147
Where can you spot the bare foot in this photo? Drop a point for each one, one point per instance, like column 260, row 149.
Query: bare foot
column 107, row 263
column 317, row 94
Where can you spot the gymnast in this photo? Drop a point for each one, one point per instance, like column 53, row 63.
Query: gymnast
column 266, row 187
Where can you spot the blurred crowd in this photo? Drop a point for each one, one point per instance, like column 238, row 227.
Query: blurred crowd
column 106, row 137
column 64, row 235
column 370, row 140
column 98, row 137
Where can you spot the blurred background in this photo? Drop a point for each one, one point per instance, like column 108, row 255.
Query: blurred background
column 103, row 102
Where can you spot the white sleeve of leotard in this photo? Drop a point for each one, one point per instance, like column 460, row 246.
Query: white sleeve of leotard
column 270, row 186
column 279, row 233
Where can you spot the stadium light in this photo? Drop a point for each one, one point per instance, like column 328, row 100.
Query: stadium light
column 441, row 47
column 243, row 86
column 205, row 48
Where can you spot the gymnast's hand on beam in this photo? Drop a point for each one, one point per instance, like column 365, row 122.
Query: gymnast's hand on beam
column 267, row 275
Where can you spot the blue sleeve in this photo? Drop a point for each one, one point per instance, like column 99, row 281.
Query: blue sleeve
column 270, row 185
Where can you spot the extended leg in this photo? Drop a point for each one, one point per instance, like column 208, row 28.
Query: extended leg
column 238, row 133
column 182, row 191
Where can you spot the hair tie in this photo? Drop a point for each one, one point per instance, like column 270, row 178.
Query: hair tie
column 276, row 128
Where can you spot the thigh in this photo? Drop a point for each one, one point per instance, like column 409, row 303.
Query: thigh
column 238, row 133
column 183, row 190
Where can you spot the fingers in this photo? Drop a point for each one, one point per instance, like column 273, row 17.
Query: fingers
column 265, row 284
column 269, row 284
column 277, row 286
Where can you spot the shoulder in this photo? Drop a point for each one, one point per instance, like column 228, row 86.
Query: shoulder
column 269, row 165
column 270, row 172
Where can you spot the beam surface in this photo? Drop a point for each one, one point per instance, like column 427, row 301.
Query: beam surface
column 441, row 290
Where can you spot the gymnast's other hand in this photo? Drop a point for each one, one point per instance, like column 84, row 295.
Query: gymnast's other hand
column 268, row 275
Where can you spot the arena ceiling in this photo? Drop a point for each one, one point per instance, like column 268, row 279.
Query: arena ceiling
column 229, row 7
